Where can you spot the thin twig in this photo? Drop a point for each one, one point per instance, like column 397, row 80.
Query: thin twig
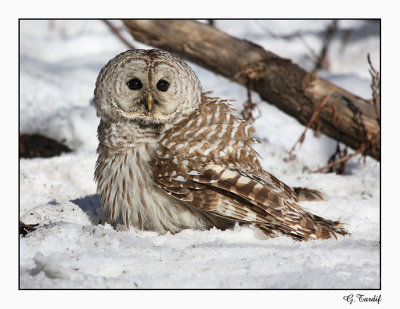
column 117, row 32
column 314, row 115
column 375, row 88
column 268, row 31
column 247, row 112
column 250, row 74
column 338, row 168
column 341, row 160
column 311, row 50
column 322, row 61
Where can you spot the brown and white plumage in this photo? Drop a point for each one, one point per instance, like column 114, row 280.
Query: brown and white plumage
column 187, row 161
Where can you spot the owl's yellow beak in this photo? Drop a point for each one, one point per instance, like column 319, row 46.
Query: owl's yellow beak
column 150, row 102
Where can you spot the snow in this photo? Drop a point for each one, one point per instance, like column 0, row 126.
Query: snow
column 74, row 247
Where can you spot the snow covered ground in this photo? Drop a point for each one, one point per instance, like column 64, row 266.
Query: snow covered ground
column 59, row 63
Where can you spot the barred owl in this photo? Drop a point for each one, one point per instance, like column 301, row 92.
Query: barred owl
column 171, row 158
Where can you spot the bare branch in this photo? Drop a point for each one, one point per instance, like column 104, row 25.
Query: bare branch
column 118, row 34
column 375, row 86
column 314, row 116
column 341, row 160
column 322, row 61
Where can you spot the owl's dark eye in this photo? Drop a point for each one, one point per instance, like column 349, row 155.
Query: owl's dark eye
column 162, row 85
column 135, row 84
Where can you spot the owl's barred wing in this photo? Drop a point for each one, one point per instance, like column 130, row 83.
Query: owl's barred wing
column 208, row 162
column 232, row 195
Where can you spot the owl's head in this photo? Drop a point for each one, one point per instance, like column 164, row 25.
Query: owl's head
column 146, row 86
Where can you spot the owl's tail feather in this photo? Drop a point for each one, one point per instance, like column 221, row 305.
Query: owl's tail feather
column 310, row 227
column 328, row 229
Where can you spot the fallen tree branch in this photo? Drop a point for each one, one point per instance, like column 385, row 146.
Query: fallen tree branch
column 278, row 80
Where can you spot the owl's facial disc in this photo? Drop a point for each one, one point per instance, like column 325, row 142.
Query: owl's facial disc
column 150, row 87
column 149, row 92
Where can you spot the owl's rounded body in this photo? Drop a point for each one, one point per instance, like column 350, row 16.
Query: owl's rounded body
column 127, row 189
column 170, row 158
